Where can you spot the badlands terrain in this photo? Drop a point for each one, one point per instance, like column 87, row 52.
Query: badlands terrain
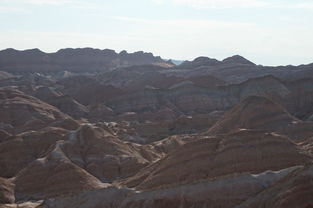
column 90, row 128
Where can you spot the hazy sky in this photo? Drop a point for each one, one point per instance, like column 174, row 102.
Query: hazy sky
column 268, row 32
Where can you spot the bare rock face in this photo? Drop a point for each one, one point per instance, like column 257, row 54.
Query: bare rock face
column 55, row 175
column 102, row 154
column 205, row 193
column 136, row 78
column 208, row 193
column 64, row 103
column 27, row 82
column 153, row 128
column 170, row 144
column 253, row 113
column 266, row 86
column 184, row 97
column 92, row 92
column 70, row 106
column 22, row 112
column 22, row 149
column 243, row 151
column 294, row 191
column 262, row 113
column 6, row 191
column 196, row 95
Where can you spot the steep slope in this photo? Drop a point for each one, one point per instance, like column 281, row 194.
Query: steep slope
column 267, row 86
column 243, row 151
column 91, row 92
column 300, row 100
column 198, row 94
column 206, row 193
column 237, row 59
column 55, row 175
column 226, row 192
column 294, row 191
column 138, row 77
column 253, row 113
column 20, row 150
column 64, row 103
column 262, row 113
column 104, row 155
column 19, row 111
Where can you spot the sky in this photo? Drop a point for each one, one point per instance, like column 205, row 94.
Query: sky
column 267, row 32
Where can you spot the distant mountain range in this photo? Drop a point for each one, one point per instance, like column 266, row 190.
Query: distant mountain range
column 78, row 60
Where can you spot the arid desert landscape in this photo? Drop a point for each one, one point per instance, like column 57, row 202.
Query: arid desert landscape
column 91, row 128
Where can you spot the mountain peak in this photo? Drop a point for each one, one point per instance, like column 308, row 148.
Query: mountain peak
column 204, row 59
column 200, row 61
column 237, row 59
